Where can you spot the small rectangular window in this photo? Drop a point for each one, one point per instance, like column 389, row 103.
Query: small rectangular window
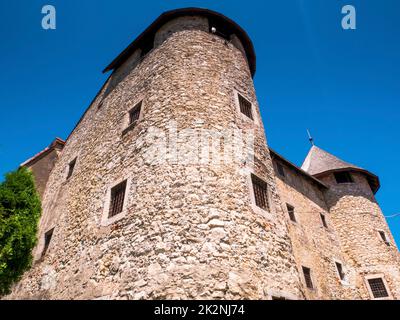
column 281, row 171
column 260, row 189
column 323, row 220
column 71, row 168
column 245, row 106
column 378, row 288
column 117, row 199
column 47, row 239
column 384, row 238
column 343, row 177
column 307, row 277
column 134, row 114
column 290, row 210
column 340, row 271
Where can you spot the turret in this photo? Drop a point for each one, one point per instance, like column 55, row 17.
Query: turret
column 365, row 238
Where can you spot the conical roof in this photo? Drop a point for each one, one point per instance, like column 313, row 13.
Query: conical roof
column 319, row 161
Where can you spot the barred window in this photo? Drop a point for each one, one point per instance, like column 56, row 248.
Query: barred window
column 117, row 199
column 260, row 189
column 134, row 114
column 343, row 177
column 71, row 168
column 47, row 239
column 307, row 277
column 383, row 237
column 378, row 288
column 323, row 220
column 290, row 210
column 245, row 106
column 281, row 171
column 340, row 271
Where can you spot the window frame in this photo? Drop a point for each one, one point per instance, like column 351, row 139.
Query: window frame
column 303, row 268
column 378, row 276
column 46, row 244
column 129, row 125
column 280, row 169
column 256, row 178
column 70, row 172
column 106, row 219
column 292, row 217
column 383, row 237
column 244, row 117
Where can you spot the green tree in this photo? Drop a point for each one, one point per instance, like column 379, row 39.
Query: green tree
column 20, row 210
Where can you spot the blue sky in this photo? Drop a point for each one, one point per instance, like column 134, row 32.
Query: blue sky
column 342, row 85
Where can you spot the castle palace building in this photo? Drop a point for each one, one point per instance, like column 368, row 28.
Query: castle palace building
column 138, row 202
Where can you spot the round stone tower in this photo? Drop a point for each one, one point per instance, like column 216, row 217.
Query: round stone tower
column 372, row 256
column 165, row 188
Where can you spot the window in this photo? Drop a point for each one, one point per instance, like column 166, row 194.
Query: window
column 278, row 298
column 281, row 171
column 245, row 106
column 47, row 239
column 290, row 210
column 134, row 114
column 343, row 177
column 117, row 199
column 383, row 237
column 323, row 220
column 307, row 277
column 378, row 288
column 71, row 167
column 340, row 271
column 260, row 189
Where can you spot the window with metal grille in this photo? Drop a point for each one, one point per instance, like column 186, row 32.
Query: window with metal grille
column 323, row 220
column 117, row 199
column 47, row 239
column 134, row 114
column 378, row 288
column 71, row 167
column 260, row 189
column 307, row 277
column 245, row 106
column 290, row 210
column 340, row 271
column 281, row 171
column 343, row 177
column 383, row 237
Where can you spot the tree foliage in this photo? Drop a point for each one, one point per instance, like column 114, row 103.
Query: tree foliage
column 20, row 209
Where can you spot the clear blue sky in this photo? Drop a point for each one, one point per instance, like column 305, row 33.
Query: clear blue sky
column 342, row 85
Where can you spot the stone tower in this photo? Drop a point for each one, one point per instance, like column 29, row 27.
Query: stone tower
column 367, row 244
column 121, row 222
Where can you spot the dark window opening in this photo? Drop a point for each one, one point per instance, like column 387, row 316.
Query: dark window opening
column 343, row 177
column 220, row 28
column 245, row 107
column 71, row 168
column 260, row 189
column 117, row 199
column 378, row 288
column 47, row 239
column 134, row 114
column 290, row 210
column 383, row 237
column 323, row 219
column 278, row 298
column 281, row 171
column 339, row 268
column 307, row 277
